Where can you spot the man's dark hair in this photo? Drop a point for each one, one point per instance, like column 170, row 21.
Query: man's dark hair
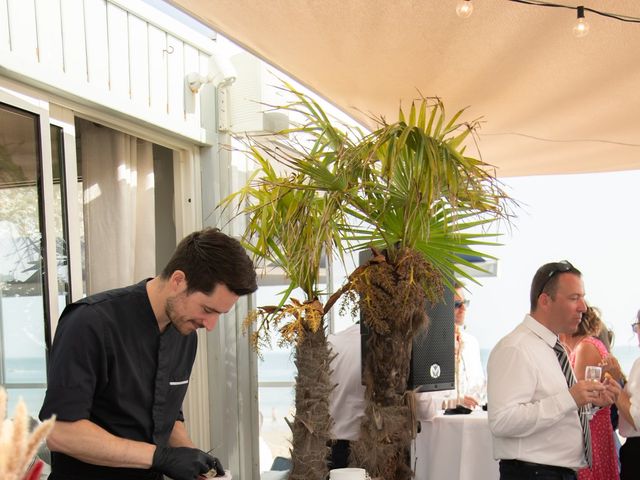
column 209, row 257
column 546, row 280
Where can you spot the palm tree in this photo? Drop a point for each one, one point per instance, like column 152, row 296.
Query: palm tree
column 420, row 204
column 294, row 225
column 408, row 192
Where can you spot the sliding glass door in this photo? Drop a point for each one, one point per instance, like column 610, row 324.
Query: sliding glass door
column 23, row 274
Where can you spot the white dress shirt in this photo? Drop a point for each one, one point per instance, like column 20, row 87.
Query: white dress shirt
column 346, row 401
column 532, row 415
column 470, row 371
column 633, row 389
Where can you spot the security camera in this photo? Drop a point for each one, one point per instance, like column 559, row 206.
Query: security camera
column 221, row 74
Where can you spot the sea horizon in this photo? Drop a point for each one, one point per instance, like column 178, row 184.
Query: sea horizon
column 278, row 366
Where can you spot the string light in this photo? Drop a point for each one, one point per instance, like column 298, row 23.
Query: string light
column 464, row 9
column 581, row 27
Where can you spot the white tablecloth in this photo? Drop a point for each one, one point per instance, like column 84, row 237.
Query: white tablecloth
column 455, row 447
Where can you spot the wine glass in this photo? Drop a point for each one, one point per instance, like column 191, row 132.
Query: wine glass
column 479, row 392
column 592, row 373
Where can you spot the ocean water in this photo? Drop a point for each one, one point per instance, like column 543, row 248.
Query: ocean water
column 278, row 365
column 25, row 371
column 626, row 355
column 277, row 402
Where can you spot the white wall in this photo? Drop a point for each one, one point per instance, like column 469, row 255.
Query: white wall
column 123, row 56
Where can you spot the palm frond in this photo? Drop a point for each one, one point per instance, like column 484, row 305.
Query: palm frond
column 405, row 185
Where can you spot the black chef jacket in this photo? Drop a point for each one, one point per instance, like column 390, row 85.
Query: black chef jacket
column 110, row 364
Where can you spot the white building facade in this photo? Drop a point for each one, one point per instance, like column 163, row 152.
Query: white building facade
column 108, row 157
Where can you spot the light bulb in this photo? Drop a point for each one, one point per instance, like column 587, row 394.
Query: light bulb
column 581, row 28
column 464, row 9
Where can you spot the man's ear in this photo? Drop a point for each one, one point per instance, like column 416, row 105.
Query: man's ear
column 544, row 300
column 178, row 281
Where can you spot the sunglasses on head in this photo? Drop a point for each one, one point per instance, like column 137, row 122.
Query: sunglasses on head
column 559, row 267
column 458, row 304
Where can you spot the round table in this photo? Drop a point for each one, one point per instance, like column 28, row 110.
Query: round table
column 452, row 447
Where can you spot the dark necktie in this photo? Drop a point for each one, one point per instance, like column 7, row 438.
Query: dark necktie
column 582, row 414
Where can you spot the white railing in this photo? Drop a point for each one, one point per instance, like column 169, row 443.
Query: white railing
column 124, row 56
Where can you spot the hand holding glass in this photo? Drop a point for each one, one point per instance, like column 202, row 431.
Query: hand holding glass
column 593, row 374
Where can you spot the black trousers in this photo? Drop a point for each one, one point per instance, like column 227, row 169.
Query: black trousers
column 519, row 470
column 340, row 450
column 630, row 459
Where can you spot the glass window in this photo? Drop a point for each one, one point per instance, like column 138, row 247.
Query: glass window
column 61, row 220
column 22, row 296
column 276, row 381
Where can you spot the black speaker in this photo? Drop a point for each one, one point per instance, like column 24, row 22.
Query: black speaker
column 432, row 356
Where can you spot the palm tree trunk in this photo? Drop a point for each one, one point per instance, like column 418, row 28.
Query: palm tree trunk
column 392, row 305
column 312, row 422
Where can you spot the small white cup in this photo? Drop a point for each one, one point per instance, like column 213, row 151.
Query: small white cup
column 348, row 474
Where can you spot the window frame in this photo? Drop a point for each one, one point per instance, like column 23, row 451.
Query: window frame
column 46, row 201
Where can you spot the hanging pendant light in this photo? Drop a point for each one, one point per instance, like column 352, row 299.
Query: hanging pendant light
column 464, row 9
column 581, row 27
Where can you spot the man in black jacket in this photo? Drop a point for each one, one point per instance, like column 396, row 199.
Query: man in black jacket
column 121, row 361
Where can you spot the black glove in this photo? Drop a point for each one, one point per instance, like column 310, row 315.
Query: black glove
column 182, row 463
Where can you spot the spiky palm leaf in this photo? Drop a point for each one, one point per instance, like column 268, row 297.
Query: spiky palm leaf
column 295, row 219
column 406, row 187
column 404, row 184
column 414, row 185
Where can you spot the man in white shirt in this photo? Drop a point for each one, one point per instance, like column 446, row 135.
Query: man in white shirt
column 346, row 402
column 533, row 414
column 629, row 410
column 470, row 374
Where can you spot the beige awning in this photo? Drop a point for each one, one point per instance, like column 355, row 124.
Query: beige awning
column 550, row 102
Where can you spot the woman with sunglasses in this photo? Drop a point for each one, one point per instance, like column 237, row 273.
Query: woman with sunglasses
column 470, row 378
column 629, row 409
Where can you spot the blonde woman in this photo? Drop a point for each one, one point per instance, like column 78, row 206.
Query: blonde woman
column 586, row 349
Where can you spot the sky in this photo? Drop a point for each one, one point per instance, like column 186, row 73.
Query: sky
column 588, row 219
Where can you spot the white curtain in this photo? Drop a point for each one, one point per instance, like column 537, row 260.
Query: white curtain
column 119, row 216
